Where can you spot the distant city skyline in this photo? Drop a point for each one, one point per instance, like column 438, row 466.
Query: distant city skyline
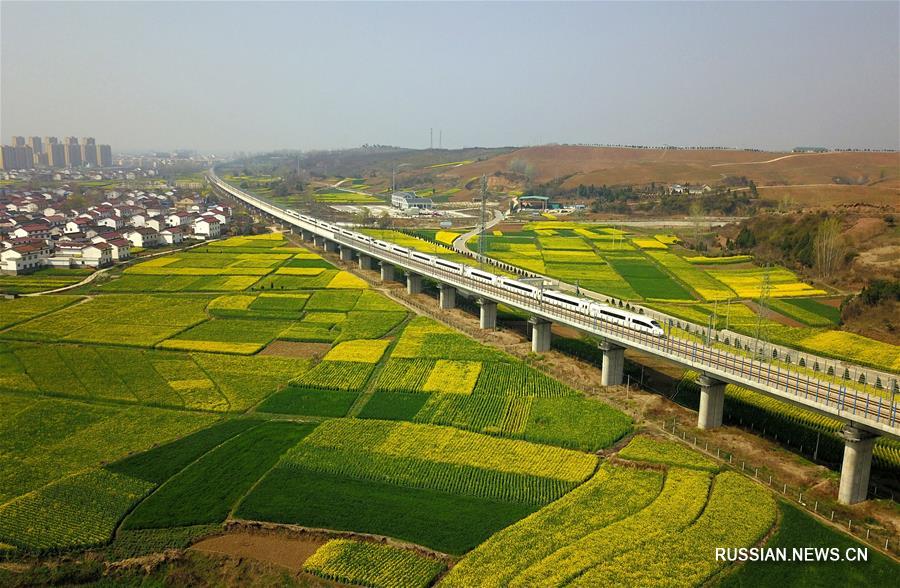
column 239, row 76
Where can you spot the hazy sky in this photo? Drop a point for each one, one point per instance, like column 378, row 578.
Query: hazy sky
column 253, row 76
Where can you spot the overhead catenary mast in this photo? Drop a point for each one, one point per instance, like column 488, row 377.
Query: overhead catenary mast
column 483, row 220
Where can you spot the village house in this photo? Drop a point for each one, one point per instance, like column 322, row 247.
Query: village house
column 23, row 258
column 179, row 219
column 120, row 248
column 144, row 237
column 172, row 235
column 207, row 227
column 112, row 222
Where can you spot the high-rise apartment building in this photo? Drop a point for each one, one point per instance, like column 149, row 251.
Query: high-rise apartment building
column 36, row 145
column 24, row 157
column 7, row 157
column 104, row 155
column 56, row 155
column 89, row 151
column 50, row 151
column 73, row 153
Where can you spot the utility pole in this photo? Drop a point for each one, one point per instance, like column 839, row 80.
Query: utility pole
column 483, row 222
column 764, row 290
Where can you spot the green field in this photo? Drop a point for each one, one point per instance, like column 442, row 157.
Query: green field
column 193, row 390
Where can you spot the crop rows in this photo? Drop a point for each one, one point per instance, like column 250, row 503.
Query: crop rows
column 738, row 514
column 704, row 284
column 336, row 375
column 206, row 490
column 453, row 377
column 79, row 510
column 519, row 380
column 643, row 448
column 18, row 310
column 613, row 493
column 404, row 375
column 117, row 319
column 372, row 564
column 358, row 350
column 443, row 459
column 681, row 501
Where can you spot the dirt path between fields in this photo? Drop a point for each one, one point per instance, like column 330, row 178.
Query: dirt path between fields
column 278, row 549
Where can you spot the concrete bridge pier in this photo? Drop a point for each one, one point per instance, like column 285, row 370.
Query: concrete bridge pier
column 448, row 296
column 331, row 247
column 346, row 254
column 613, row 368
column 712, row 403
column 540, row 334
column 413, row 283
column 857, row 464
column 319, row 241
column 488, row 318
column 365, row 262
column 306, row 235
column 387, row 272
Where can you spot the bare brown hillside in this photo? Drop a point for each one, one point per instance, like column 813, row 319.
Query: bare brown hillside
column 841, row 174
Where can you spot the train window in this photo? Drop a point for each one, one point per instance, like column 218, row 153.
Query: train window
column 558, row 299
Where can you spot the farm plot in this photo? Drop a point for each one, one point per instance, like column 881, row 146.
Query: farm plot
column 310, row 402
column 646, row 278
column 80, row 510
column 704, row 284
column 41, row 281
column 373, row 301
column 361, row 350
column 738, row 514
column 244, row 381
column 357, row 475
column 369, row 324
column 336, row 375
column 404, row 375
column 576, row 423
column 19, row 310
column 281, row 282
column 662, row 533
column 161, row 463
column 808, row 311
column 446, row 522
column 453, row 377
column 206, row 490
column 681, row 500
column 748, row 283
column 371, row 564
column 643, row 448
column 116, row 319
column 517, row 379
column 52, row 438
column 441, row 458
column 425, row 338
column 333, row 300
column 347, row 280
column 228, row 336
column 613, row 493
column 169, row 283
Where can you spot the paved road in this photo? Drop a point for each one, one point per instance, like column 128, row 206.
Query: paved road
column 459, row 243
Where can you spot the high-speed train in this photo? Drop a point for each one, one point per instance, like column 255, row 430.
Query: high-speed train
column 602, row 312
